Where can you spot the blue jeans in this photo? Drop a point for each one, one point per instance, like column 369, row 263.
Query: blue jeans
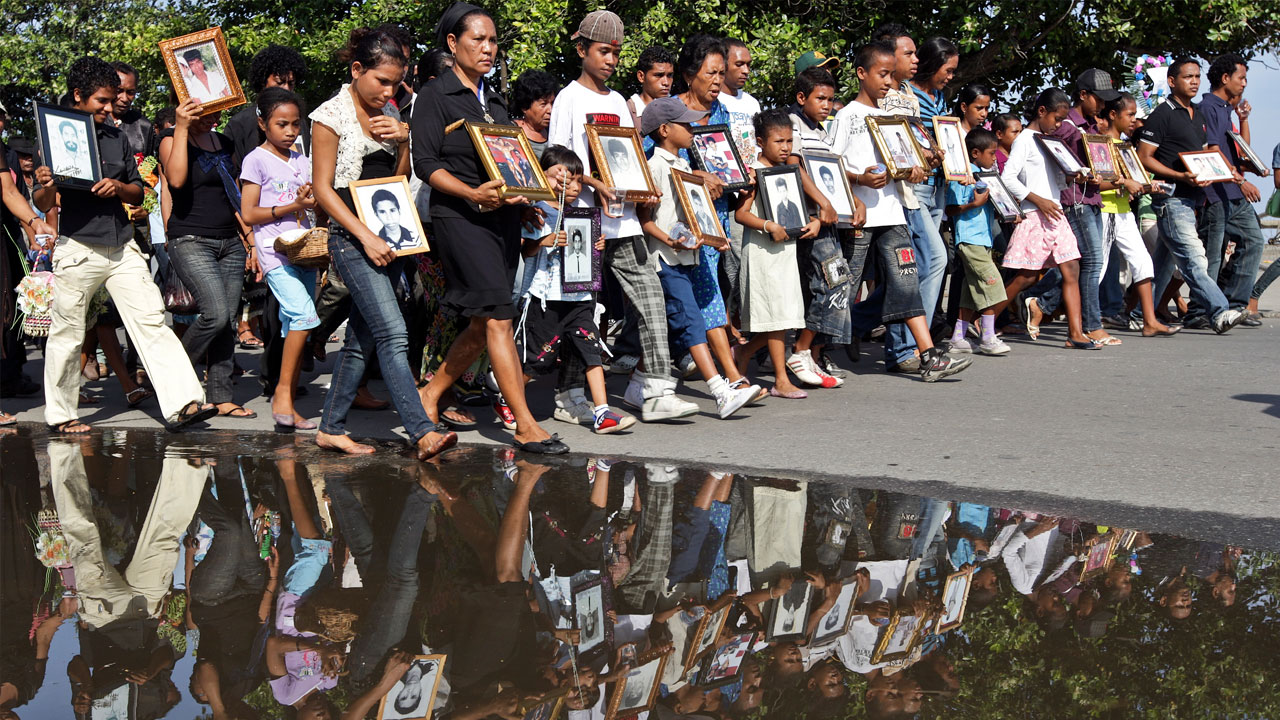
column 377, row 325
column 1086, row 225
column 1110, row 291
column 1180, row 244
column 1232, row 220
column 931, row 263
column 212, row 269
column 1265, row 280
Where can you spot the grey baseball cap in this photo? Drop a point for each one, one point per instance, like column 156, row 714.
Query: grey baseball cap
column 667, row 110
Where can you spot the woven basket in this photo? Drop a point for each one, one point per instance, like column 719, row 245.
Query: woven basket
column 37, row 325
column 308, row 250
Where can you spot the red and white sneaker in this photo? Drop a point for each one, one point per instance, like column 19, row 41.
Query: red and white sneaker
column 611, row 422
column 503, row 411
column 801, row 365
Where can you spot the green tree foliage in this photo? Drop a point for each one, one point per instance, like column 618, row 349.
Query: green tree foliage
column 1012, row 44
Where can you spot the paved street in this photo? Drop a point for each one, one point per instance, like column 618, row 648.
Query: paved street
column 1182, row 434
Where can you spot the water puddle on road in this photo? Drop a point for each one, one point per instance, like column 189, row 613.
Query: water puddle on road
column 148, row 575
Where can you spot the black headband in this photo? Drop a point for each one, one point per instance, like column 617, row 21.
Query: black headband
column 450, row 19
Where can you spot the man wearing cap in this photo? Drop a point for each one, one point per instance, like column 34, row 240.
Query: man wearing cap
column 1082, row 204
column 1229, row 212
column 588, row 100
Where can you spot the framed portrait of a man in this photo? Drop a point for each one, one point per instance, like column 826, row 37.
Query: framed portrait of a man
column 581, row 264
column 69, row 145
column 695, row 206
column 200, row 69
column 620, row 161
column 783, row 196
column 1061, row 154
column 413, row 696
column 384, row 207
column 828, row 173
column 1130, row 164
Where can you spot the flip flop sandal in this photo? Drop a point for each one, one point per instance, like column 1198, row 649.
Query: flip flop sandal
column 137, row 396
column 1109, row 340
column 239, row 411
column 196, row 414
column 454, row 423
column 1033, row 330
column 64, row 428
column 550, row 446
column 1073, row 345
column 252, row 343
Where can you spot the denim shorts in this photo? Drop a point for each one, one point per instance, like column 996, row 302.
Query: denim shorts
column 685, row 326
column 295, row 290
column 891, row 246
column 826, row 287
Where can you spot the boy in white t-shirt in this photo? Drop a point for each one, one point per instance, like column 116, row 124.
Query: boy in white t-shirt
column 897, row 295
column 655, row 71
column 589, row 100
column 741, row 105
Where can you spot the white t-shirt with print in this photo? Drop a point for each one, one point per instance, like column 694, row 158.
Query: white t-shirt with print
column 853, row 141
column 742, row 109
column 575, row 107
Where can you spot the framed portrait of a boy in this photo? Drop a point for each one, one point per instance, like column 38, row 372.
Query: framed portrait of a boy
column 507, row 155
column 619, row 160
column 581, row 266
column 782, row 194
column 696, row 207
column 1002, row 200
column 68, row 145
column 714, row 151
column 385, row 207
column 637, row 690
column 828, row 172
column 200, row 69
column 414, row 694
column 893, row 138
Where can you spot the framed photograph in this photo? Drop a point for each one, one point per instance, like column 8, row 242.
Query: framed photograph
column 1006, row 205
column 386, row 207
column 547, row 707
column 1127, row 538
column 837, row 620
column 715, row 152
column 1102, row 162
column 955, row 158
column 592, row 601
column 1061, row 154
column 789, row 614
column 200, row 69
column 898, row 638
column 1099, row 558
column 1208, row 165
column 724, row 666
column 637, row 691
column 783, row 197
column 828, row 173
column 704, row 636
column 955, row 596
column 620, row 161
column 919, row 132
column 68, row 145
column 507, row 155
column 414, row 694
column 1253, row 161
column 898, row 147
column 1129, row 163
column 696, row 207
column 581, row 264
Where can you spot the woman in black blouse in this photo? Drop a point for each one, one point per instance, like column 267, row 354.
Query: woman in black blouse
column 476, row 230
column 208, row 244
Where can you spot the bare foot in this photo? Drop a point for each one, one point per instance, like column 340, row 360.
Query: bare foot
column 431, row 407
column 434, row 443
column 343, row 444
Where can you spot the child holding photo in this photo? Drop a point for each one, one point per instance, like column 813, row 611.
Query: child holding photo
column 1043, row 239
column 772, row 301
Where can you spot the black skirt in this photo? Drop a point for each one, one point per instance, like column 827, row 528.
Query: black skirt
column 479, row 252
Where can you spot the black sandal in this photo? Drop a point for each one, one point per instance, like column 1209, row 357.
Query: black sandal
column 199, row 413
column 550, row 446
column 64, row 428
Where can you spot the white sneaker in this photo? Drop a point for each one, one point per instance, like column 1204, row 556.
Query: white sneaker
column 733, row 400
column 666, row 407
column 573, row 410
column 995, row 347
column 828, row 380
column 959, row 346
column 686, row 367
column 802, row 366
column 634, row 395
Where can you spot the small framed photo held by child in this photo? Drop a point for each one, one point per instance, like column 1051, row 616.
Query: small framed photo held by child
column 955, row 160
column 1102, row 162
column 695, row 206
column 582, row 263
column 715, row 152
column 1003, row 201
column 828, row 173
column 620, row 161
column 783, row 197
column 1128, row 162
column 896, row 142
column 1061, row 154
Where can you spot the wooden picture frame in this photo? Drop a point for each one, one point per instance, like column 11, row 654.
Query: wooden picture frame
column 899, row 637
column 696, row 207
column 220, row 89
column 955, row 157
column 506, row 154
column 1130, row 164
column 551, row 706
column 829, row 174
column 644, row 680
column 1127, row 538
column 1101, row 159
column 838, row 619
column 955, row 598
column 1099, row 557
column 782, row 194
column 1062, row 155
column 1252, row 160
column 58, row 129
column 388, row 708
column 592, row 601
column 705, row 634
column 368, row 195
column 789, row 614
column 587, row 222
column 1006, row 205
column 724, row 665
column 714, row 151
column 1208, row 165
column 895, row 140
column 631, row 176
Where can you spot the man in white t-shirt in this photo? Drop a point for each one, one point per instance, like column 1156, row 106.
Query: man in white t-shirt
column 655, row 71
column 588, row 100
column 741, row 105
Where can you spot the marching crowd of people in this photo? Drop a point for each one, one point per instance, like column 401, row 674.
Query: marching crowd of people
column 925, row 264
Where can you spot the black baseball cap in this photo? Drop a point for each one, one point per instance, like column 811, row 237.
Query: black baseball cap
column 1097, row 82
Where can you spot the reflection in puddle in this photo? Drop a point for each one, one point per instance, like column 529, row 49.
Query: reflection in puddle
column 150, row 576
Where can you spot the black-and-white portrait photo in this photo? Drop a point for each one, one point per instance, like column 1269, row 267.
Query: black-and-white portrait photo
column 639, row 686
column 414, row 693
column 68, row 145
column 827, row 173
column 577, row 250
column 791, row 611
column 589, row 607
column 624, row 165
column 384, row 207
column 787, row 202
